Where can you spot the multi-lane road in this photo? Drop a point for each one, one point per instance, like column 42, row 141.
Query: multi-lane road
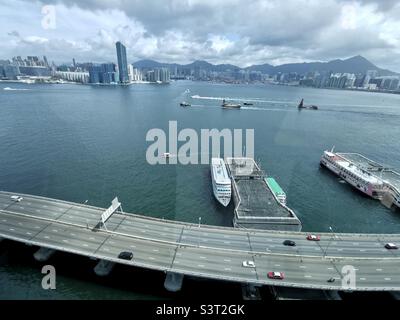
column 200, row 250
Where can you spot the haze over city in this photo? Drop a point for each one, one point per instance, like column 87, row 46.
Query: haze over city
column 236, row 32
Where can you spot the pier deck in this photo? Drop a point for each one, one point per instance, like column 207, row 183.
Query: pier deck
column 255, row 204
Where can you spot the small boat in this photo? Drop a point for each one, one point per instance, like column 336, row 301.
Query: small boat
column 230, row 105
column 166, row 155
column 302, row 106
column 248, row 104
column 184, row 104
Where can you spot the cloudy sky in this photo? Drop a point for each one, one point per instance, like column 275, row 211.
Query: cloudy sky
column 224, row 31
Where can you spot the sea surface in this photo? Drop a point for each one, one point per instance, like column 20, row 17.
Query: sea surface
column 80, row 142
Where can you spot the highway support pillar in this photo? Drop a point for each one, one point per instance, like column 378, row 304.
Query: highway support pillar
column 104, row 268
column 173, row 281
column 1, row 239
column 250, row 291
column 395, row 294
column 43, row 254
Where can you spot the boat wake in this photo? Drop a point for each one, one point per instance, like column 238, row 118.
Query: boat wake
column 256, row 100
column 14, row 89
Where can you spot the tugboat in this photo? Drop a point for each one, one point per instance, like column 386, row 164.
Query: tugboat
column 230, row 105
column 302, row 106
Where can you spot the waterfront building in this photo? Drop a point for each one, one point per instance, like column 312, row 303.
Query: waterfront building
column 73, row 76
column 105, row 73
column 122, row 63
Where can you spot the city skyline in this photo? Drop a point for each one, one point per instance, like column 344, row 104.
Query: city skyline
column 181, row 32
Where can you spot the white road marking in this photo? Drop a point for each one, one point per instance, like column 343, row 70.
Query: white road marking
column 201, row 265
column 46, row 237
column 277, row 265
column 302, row 267
column 85, row 245
column 363, row 279
column 28, row 233
column 155, row 250
column 378, row 269
column 227, row 242
column 37, row 210
column 227, row 260
column 330, row 268
column 133, row 246
column 388, row 279
column 4, row 220
column 307, row 276
column 66, row 241
column 227, row 269
column 201, row 257
column 151, row 258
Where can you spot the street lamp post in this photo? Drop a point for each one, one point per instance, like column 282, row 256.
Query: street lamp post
column 198, row 243
column 326, row 249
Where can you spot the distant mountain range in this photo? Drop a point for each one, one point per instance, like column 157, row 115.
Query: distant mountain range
column 356, row 64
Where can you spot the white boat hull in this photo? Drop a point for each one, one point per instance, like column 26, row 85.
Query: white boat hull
column 364, row 188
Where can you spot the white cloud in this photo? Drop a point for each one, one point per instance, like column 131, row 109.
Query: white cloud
column 225, row 31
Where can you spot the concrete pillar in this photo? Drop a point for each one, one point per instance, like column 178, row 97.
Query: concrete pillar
column 395, row 294
column 173, row 281
column 43, row 254
column 250, row 292
column 332, row 295
column 104, row 268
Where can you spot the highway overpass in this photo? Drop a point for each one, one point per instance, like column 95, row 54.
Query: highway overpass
column 200, row 250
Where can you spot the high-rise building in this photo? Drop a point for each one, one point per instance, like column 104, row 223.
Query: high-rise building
column 104, row 73
column 122, row 63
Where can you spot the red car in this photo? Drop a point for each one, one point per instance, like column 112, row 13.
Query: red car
column 313, row 237
column 276, row 275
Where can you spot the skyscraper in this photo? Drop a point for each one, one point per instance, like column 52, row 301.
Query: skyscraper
column 122, row 63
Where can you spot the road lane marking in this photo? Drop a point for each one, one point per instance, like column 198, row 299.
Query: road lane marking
column 330, row 268
column 227, row 260
column 363, row 279
column 378, row 269
column 201, row 257
column 151, row 258
column 277, row 265
column 201, row 265
column 11, row 229
column 228, row 269
column 307, row 276
column 155, row 250
column 388, row 279
column 302, row 267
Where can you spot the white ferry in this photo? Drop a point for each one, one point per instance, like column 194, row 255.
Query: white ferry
column 355, row 175
column 220, row 181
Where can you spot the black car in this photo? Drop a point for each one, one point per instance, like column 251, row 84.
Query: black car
column 126, row 255
column 290, row 243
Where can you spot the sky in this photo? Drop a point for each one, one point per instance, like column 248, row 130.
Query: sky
column 219, row 31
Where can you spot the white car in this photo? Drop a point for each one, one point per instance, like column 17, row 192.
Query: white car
column 16, row 198
column 248, row 264
column 390, row 245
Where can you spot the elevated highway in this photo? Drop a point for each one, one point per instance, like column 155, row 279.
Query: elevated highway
column 202, row 251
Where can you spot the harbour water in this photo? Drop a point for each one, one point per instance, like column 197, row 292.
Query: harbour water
column 80, row 143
